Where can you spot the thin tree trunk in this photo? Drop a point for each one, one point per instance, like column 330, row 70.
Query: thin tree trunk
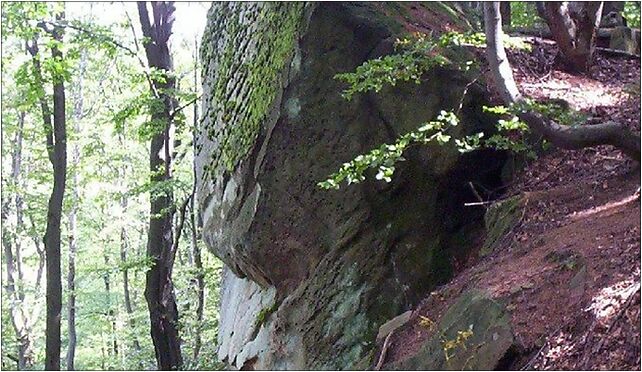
column 200, row 283
column 18, row 313
column 73, row 234
column 112, row 344
column 505, row 10
column 71, row 285
column 159, row 290
column 41, row 255
column 196, row 249
column 57, row 151
column 124, row 245
column 566, row 137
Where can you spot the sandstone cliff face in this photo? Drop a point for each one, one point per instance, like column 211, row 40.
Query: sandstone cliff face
column 311, row 274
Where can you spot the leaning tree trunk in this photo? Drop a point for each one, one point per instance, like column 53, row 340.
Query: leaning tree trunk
column 159, row 290
column 566, row 137
column 573, row 26
column 56, row 136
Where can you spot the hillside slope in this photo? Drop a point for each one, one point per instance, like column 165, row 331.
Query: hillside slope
column 564, row 255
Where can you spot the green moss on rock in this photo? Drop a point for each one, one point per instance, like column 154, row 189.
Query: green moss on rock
column 247, row 73
column 500, row 218
column 264, row 314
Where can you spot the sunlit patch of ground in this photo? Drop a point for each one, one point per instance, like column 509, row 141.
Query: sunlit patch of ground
column 559, row 347
column 606, row 305
column 610, row 299
column 582, row 93
column 605, row 207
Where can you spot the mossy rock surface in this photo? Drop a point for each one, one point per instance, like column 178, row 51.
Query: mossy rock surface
column 337, row 264
column 500, row 219
column 489, row 340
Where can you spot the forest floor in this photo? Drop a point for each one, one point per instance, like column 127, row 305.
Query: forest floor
column 582, row 210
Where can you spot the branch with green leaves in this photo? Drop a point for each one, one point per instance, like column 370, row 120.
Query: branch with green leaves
column 385, row 156
column 416, row 57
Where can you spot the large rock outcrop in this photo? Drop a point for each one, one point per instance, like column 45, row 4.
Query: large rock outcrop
column 311, row 274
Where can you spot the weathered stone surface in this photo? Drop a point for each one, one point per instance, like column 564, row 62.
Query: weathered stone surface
column 500, row 218
column 243, row 300
column 626, row 39
column 490, row 339
column 311, row 274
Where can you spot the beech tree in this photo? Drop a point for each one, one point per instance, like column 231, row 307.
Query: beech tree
column 573, row 25
column 106, row 207
column 566, row 137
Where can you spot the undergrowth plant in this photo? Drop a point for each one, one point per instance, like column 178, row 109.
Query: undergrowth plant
column 416, row 55
column 449, row 346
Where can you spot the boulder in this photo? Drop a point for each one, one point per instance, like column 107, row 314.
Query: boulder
column 310, row 274
column 473, row 334
column 500, row 218
column 625, row 39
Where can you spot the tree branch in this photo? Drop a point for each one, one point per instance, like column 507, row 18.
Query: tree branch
column 181, row 222
column 569, row 138
column 178, row 109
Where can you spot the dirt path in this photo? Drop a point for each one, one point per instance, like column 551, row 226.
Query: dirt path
column 569, row 273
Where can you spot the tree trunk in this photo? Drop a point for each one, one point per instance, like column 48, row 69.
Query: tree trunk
column 10, row 241
column 57, row 151
column 200, row 283
column 573, row 27
column 71, row 285
column 112, row 344
column 570, row 138
column 505, row 10
column 73, row 234
column 159, row 290
column 124, row 245
column 196, row 249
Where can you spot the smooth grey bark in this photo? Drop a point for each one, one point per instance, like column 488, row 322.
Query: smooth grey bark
column 573, row 26
column 566, row 137
column 159, row 290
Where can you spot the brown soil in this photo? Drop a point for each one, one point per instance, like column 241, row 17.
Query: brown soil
column 569, row 273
